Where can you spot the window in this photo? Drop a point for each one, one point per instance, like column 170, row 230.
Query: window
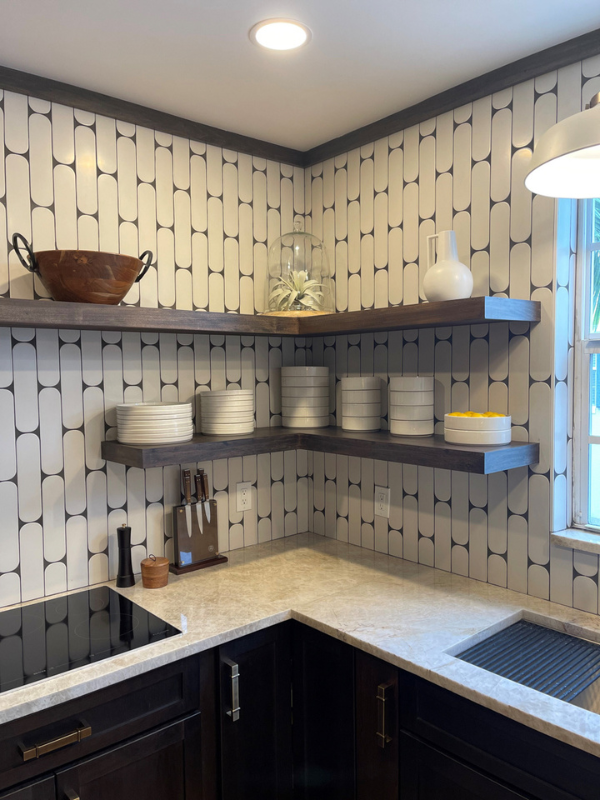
column 586, row 501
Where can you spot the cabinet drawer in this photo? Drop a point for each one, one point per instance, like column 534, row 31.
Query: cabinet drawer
column 103, row 718
column 39, row 790
column 432, row 775
column 538, row 764
column 156, row 766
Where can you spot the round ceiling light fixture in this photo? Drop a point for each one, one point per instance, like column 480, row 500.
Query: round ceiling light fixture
column 566, row 159
column 280, row 34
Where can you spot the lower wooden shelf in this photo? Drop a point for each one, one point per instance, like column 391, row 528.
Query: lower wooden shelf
column 430, row 451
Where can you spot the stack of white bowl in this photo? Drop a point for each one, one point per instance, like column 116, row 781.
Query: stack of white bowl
column 411, row 406
column 227, row 413
column 485, row 428
column 154, row 423
column 361, row 404
column 305, row 397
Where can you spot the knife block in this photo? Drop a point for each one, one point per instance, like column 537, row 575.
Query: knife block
column 201, row 549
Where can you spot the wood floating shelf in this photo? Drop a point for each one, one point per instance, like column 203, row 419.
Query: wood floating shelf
column 87, row 316
column 201, row 448
column 424, row 452
column 474, row 311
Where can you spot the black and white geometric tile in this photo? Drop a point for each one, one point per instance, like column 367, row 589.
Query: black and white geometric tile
column 374, row 208
column 74, row 179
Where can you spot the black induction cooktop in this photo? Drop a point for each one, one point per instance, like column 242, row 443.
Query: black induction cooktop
column 53, row 636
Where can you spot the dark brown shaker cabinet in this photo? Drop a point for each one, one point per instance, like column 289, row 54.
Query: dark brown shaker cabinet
column 254, row 675
column 160, row 765
column 39, row 790
column 377, row 734
column 287, row 712
column 433, row 775
column 324, row 743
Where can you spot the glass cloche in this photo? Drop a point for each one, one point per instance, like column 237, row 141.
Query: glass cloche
column 299, row 279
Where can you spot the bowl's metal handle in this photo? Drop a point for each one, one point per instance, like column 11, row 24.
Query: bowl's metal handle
column 147, row 254
column 30, row 264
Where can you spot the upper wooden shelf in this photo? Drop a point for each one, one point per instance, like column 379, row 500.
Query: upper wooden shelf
column 84, row 316
column 425, row 452
column 474, row 311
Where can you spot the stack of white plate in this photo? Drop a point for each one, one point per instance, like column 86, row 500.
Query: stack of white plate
column 482, row 429
column 227, row 413
column 411, row 406
column 305, row 397
column 361, row 404
column 154, row 423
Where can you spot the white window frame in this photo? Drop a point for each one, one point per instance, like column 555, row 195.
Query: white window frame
column 586, row 344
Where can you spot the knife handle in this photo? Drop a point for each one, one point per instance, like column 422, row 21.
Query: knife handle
column 187, row 485
column 199, row 488
column 205, row 485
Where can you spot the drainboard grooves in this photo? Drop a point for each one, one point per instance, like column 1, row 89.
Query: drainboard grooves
column 543, row 659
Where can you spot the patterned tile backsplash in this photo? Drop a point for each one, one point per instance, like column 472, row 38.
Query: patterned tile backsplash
column 73, row 179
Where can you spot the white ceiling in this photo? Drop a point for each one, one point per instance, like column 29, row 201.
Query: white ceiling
column 193, row 58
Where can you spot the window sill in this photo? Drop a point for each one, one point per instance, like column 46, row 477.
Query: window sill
column 577, row 539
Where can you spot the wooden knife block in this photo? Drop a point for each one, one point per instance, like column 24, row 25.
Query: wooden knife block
column 201, row 549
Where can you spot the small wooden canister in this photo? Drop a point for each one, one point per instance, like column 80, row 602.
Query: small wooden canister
column 155, row 572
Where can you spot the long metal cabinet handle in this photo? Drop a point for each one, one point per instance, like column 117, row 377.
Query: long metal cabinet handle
column 234, row 674
column 382, row 697
column 38, row 750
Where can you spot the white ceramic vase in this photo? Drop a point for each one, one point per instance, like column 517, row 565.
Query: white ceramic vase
column 447, row 278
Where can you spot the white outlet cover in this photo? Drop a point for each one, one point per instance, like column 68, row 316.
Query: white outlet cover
column 244, row 496
column 382, row 502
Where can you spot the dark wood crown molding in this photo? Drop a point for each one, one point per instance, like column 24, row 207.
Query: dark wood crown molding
column 551, row 58
column 35, row 86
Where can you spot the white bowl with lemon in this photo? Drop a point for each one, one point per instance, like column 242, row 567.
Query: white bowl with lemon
column 472, row 427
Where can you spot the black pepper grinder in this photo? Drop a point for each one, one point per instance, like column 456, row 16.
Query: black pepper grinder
column 125, row 572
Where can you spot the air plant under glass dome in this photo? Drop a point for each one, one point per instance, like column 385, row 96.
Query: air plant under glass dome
column 299, row 280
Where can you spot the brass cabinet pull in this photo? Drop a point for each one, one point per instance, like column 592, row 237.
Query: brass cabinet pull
column 38, row 750
column 382, row 697
column 71, row 795
column 234, row 674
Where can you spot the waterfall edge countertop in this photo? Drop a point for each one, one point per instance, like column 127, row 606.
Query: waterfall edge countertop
column 407, row 614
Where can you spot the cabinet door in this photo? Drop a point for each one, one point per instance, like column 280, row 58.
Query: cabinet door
column 160, row 765
column 255, row 716
column 40, row 790
column 324, row 766
column 377, row 746
column 114, row 714
column 429, row 774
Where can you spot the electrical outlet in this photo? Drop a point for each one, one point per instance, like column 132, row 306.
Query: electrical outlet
column 244, row 496
column 382, row 502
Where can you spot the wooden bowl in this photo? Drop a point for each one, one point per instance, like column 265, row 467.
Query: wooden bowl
column 84, row 276
column 155, row 572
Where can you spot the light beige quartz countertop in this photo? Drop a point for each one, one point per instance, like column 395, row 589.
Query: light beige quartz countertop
column 410, row 615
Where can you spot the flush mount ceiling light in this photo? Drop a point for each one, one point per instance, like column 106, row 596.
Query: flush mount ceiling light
column 566, row 160
column 279, row 34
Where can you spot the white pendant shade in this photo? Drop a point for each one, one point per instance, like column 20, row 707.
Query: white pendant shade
column 566, row 160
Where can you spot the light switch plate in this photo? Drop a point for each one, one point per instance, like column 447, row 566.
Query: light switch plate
column 244, row 496
column 382, row 502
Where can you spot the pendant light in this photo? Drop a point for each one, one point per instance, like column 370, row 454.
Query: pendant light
column 566, row 160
